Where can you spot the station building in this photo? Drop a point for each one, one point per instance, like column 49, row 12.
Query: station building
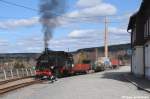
column 139, row 27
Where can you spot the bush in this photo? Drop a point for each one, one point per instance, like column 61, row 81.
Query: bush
column 19, row 65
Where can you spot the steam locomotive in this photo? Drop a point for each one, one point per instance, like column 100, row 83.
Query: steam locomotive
column 61, row 62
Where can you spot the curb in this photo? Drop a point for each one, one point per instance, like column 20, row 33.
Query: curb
column 135, row 84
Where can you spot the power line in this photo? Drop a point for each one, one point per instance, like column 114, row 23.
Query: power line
column 95, row 18
column 18, row 5
column 22, row 6
column 69, row 20
column 72, row 19
column 14, row 18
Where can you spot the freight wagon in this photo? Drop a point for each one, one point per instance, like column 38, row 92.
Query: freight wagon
column 83, row 67
column 116, row 63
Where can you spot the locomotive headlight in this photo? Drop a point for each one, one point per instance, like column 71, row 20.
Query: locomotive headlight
column 72, row 65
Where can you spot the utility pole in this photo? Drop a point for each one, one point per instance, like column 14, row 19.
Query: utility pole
column 68, row 50
column 96, row 54
column 106, row 37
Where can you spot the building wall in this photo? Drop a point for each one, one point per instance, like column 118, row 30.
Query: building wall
column 147, row 61
column 137, row 61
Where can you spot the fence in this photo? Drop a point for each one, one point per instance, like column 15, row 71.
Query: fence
column 16, row 73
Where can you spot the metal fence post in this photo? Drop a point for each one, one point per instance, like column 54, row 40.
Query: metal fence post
column 22, row 72
column 11, row 72
column 17, row 73
column 34, row 72
column 27, row 72
column 31, row 72
column 5, row 76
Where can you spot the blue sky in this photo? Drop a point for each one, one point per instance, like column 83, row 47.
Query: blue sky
column 20, row 30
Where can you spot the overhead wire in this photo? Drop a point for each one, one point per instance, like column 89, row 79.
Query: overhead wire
column 70, row 19
column 18, row 5
column 33, row 9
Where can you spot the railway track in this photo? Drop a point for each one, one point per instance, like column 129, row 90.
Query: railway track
column 11, row 80
column 10, row 85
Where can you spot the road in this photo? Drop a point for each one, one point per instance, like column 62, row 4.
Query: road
column 104, row 85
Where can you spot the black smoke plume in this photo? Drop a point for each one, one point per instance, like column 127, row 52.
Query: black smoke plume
column 49, row 11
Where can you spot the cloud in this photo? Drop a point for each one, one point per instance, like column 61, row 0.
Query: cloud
column 98, row 10
column 88, row 3
column 87, row 11
column 33, row 43
column 5, row 45
column 118, row 31
column 77, row 39
column 94, row 8
column 125, row 16
column 4, row 42
column 89, row 38
column 11, row 23
column 84, row 33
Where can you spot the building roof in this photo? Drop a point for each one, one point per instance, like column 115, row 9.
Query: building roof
column 145, row 4
column 132, row 22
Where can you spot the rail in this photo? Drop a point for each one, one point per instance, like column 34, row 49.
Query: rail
column 16, row 84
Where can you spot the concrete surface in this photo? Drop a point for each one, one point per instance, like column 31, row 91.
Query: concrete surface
column 104, row 85
column 141, row 83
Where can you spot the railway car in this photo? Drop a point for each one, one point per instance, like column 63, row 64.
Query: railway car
column 60, row 61
column 116, row 63
column 83, row 65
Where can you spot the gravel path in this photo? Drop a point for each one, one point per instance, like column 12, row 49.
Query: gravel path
column 104, row 85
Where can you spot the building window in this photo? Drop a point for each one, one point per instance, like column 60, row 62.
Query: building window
column 134, row 35
column 145, row 32
column 147, row 28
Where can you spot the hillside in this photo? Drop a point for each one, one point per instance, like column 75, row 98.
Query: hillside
column 112, row 48
column 121, row 52
column 29, row 59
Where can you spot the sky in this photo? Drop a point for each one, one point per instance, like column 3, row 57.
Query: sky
column 81, row 26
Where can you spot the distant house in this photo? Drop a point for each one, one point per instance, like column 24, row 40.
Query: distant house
column 139, row 27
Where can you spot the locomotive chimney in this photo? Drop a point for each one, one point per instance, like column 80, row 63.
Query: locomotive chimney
column 46, row 46
column 46, row 50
